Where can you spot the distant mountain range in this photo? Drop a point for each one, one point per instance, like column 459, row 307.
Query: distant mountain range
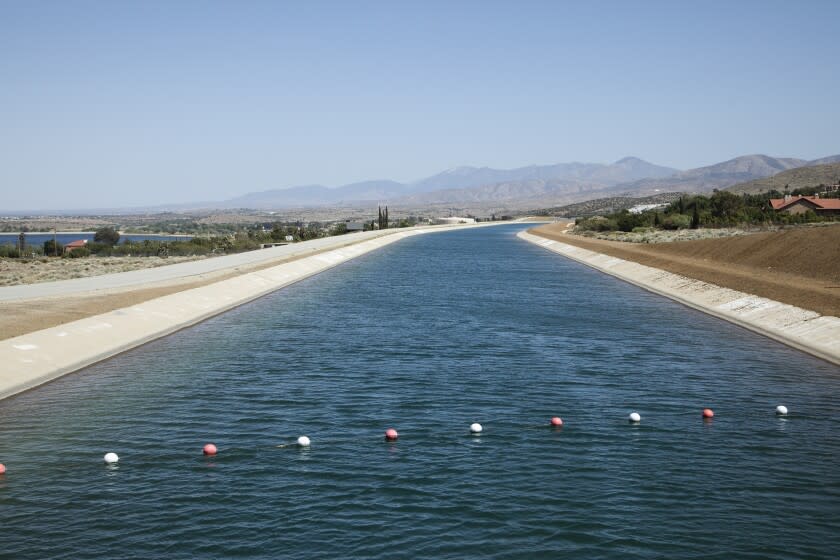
column 717, row 176
column 529, row 186
column 807, row 176
column 461, row 184
column 484, row 190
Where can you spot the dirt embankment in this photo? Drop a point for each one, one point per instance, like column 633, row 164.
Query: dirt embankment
column 798, row 266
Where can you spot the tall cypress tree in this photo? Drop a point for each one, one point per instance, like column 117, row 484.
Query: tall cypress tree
column 695, row 217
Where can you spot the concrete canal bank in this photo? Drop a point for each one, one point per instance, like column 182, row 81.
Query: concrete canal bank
column 33, row 359
column 799, row 328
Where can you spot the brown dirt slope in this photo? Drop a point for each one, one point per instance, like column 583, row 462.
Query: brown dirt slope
column 798, row 266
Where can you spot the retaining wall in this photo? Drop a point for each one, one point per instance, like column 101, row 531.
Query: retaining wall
column 802, row 329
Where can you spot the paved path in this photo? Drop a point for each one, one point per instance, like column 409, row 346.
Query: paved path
column 183, row 270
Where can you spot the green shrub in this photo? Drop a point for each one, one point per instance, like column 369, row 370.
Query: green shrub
column 106, row 235
column 597, row 223
column 9, row 250
column 79, row 253
column 676, row 221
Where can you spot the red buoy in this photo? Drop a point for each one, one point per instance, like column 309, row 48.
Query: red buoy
column 210, row 449
column 707, row 413
column 391, row 434
column 556, row 422
column 2, row 468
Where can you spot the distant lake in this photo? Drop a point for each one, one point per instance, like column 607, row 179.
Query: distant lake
column 65, row 238
column 428, row 335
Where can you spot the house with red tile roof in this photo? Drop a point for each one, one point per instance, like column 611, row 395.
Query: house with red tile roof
column 79, row 243
column 801, row 204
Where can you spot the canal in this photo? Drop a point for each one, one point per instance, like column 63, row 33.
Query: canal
column 427, row 336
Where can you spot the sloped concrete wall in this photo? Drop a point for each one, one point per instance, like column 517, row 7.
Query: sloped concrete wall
column 802, row 329
column 36, row 358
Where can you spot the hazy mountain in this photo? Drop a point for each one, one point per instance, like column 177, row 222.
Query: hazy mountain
column 825, row 160
column 717, row 176
column 293, row 196
column 586, row 182
column 368, row 190
column 456, row 185
column 808, row 176
column 524, row 186
column 317, row 195
column 627, row 169
column 631, row 169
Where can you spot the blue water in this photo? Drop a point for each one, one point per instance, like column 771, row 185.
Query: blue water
column 38, row 239
column 428, row 335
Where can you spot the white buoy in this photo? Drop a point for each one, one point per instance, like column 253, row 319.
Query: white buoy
column 475, row 428
column 111, row 458
column 634, row 417
column 303, row 441
column 781, row 410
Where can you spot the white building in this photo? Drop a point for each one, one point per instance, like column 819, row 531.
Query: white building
column 453, row 220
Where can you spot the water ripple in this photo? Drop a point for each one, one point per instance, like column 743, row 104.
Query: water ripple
column 430, row 335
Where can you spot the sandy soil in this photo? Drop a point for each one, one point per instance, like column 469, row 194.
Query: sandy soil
column 799, row 266
column 32, row 271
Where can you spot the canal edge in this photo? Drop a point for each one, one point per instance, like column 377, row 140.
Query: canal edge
column 33, row 359
column 802, row 329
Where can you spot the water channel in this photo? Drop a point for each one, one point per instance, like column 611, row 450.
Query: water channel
column 427, row 336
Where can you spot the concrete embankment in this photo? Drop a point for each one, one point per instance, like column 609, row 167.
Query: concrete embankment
column 799, row 328
column 33, row 359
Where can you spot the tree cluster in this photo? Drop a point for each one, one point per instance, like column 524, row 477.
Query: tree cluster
column 721, row 209
column 383, row 218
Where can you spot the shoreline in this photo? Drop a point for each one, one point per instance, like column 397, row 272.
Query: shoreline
column 799, row 328
column 37, row 357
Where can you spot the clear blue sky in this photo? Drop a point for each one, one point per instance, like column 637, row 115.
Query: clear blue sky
column 135, row 103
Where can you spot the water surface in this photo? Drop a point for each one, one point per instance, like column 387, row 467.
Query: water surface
column 429, row 335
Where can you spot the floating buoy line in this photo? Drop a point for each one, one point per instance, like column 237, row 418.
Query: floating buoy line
column 391, row 435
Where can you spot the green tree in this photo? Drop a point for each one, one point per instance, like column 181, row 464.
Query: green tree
column 627, row 221
column 726, row 205
column 51, row 248
column 695, row 217
column 106, row 235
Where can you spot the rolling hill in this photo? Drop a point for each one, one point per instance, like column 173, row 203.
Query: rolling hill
column 809, row 176
column 717, row 176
